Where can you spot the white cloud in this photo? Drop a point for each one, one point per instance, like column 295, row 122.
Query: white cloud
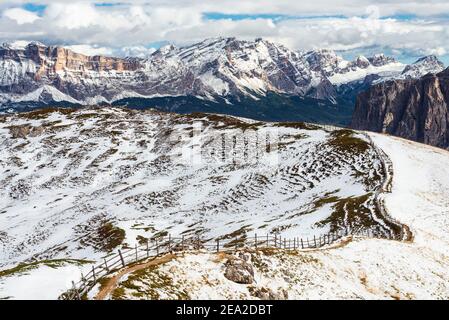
column 129, row 27
column 20, row 16
column 136, row 51
column 290, row 7
column 91, row 50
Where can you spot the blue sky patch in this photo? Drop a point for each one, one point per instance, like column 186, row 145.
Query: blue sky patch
column 38, row 8
column 274, row 17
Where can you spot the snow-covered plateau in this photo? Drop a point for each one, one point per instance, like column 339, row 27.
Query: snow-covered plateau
column 77, row 185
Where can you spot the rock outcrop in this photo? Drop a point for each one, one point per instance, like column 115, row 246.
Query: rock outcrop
column 415, row 109
column 25, row 131
column 239, row 270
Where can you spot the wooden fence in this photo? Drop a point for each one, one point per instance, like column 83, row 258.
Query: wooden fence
column 164, row 245
column 405, row 233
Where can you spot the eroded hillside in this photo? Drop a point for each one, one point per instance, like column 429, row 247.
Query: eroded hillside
column 78, row 184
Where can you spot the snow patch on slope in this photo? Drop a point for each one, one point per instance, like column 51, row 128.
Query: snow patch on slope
column 420, row 196
column 360, row 74
column 46, row 93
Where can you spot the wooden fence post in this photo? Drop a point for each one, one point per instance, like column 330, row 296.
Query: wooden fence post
column 294, row 243
column 268, row 239
column 169, row 242
column 218, row 245
column 76, row 291
column 182, row 243
column 285, row 243
column 157, row 247
column 136, row 253
column 121, row 257
column 255, row 240
column 314, row 240
column 148, row 249
column 93, row 273
column 106, row 265
column 302, row 244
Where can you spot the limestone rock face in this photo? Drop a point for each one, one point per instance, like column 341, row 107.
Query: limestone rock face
column 415, row 109
column 51, row 60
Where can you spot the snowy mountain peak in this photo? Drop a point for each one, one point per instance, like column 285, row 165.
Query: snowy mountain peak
column 361, row 67
column 362, row 62
column 381, row 59
column 20, row 45
column 165, row 50
column 425, row 65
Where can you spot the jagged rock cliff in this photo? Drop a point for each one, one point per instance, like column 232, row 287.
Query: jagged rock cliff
column 415, row 109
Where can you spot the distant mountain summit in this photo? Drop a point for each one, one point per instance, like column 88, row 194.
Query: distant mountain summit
column 224, row 71
column 423, row 66
column 215, row 67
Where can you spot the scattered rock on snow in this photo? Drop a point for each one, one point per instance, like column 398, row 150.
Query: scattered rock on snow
column 24, row 131
column 20, row 190
column 240, row 271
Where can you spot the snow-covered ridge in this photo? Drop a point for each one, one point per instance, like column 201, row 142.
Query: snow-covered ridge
column 419, row 68
column 340, row 71
column 72, row 178
column 357, row 74
column 214, row 67
column 423, row 66
column 360, row 269
column 77, row 183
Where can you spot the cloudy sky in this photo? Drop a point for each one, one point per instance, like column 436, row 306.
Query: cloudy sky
column 403, row 28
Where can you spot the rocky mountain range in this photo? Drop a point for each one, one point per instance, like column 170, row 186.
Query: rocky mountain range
column 215, row 67
column 257, row 79
column 415, row 109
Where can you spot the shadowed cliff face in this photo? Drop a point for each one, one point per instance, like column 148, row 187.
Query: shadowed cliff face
column 413, row 109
